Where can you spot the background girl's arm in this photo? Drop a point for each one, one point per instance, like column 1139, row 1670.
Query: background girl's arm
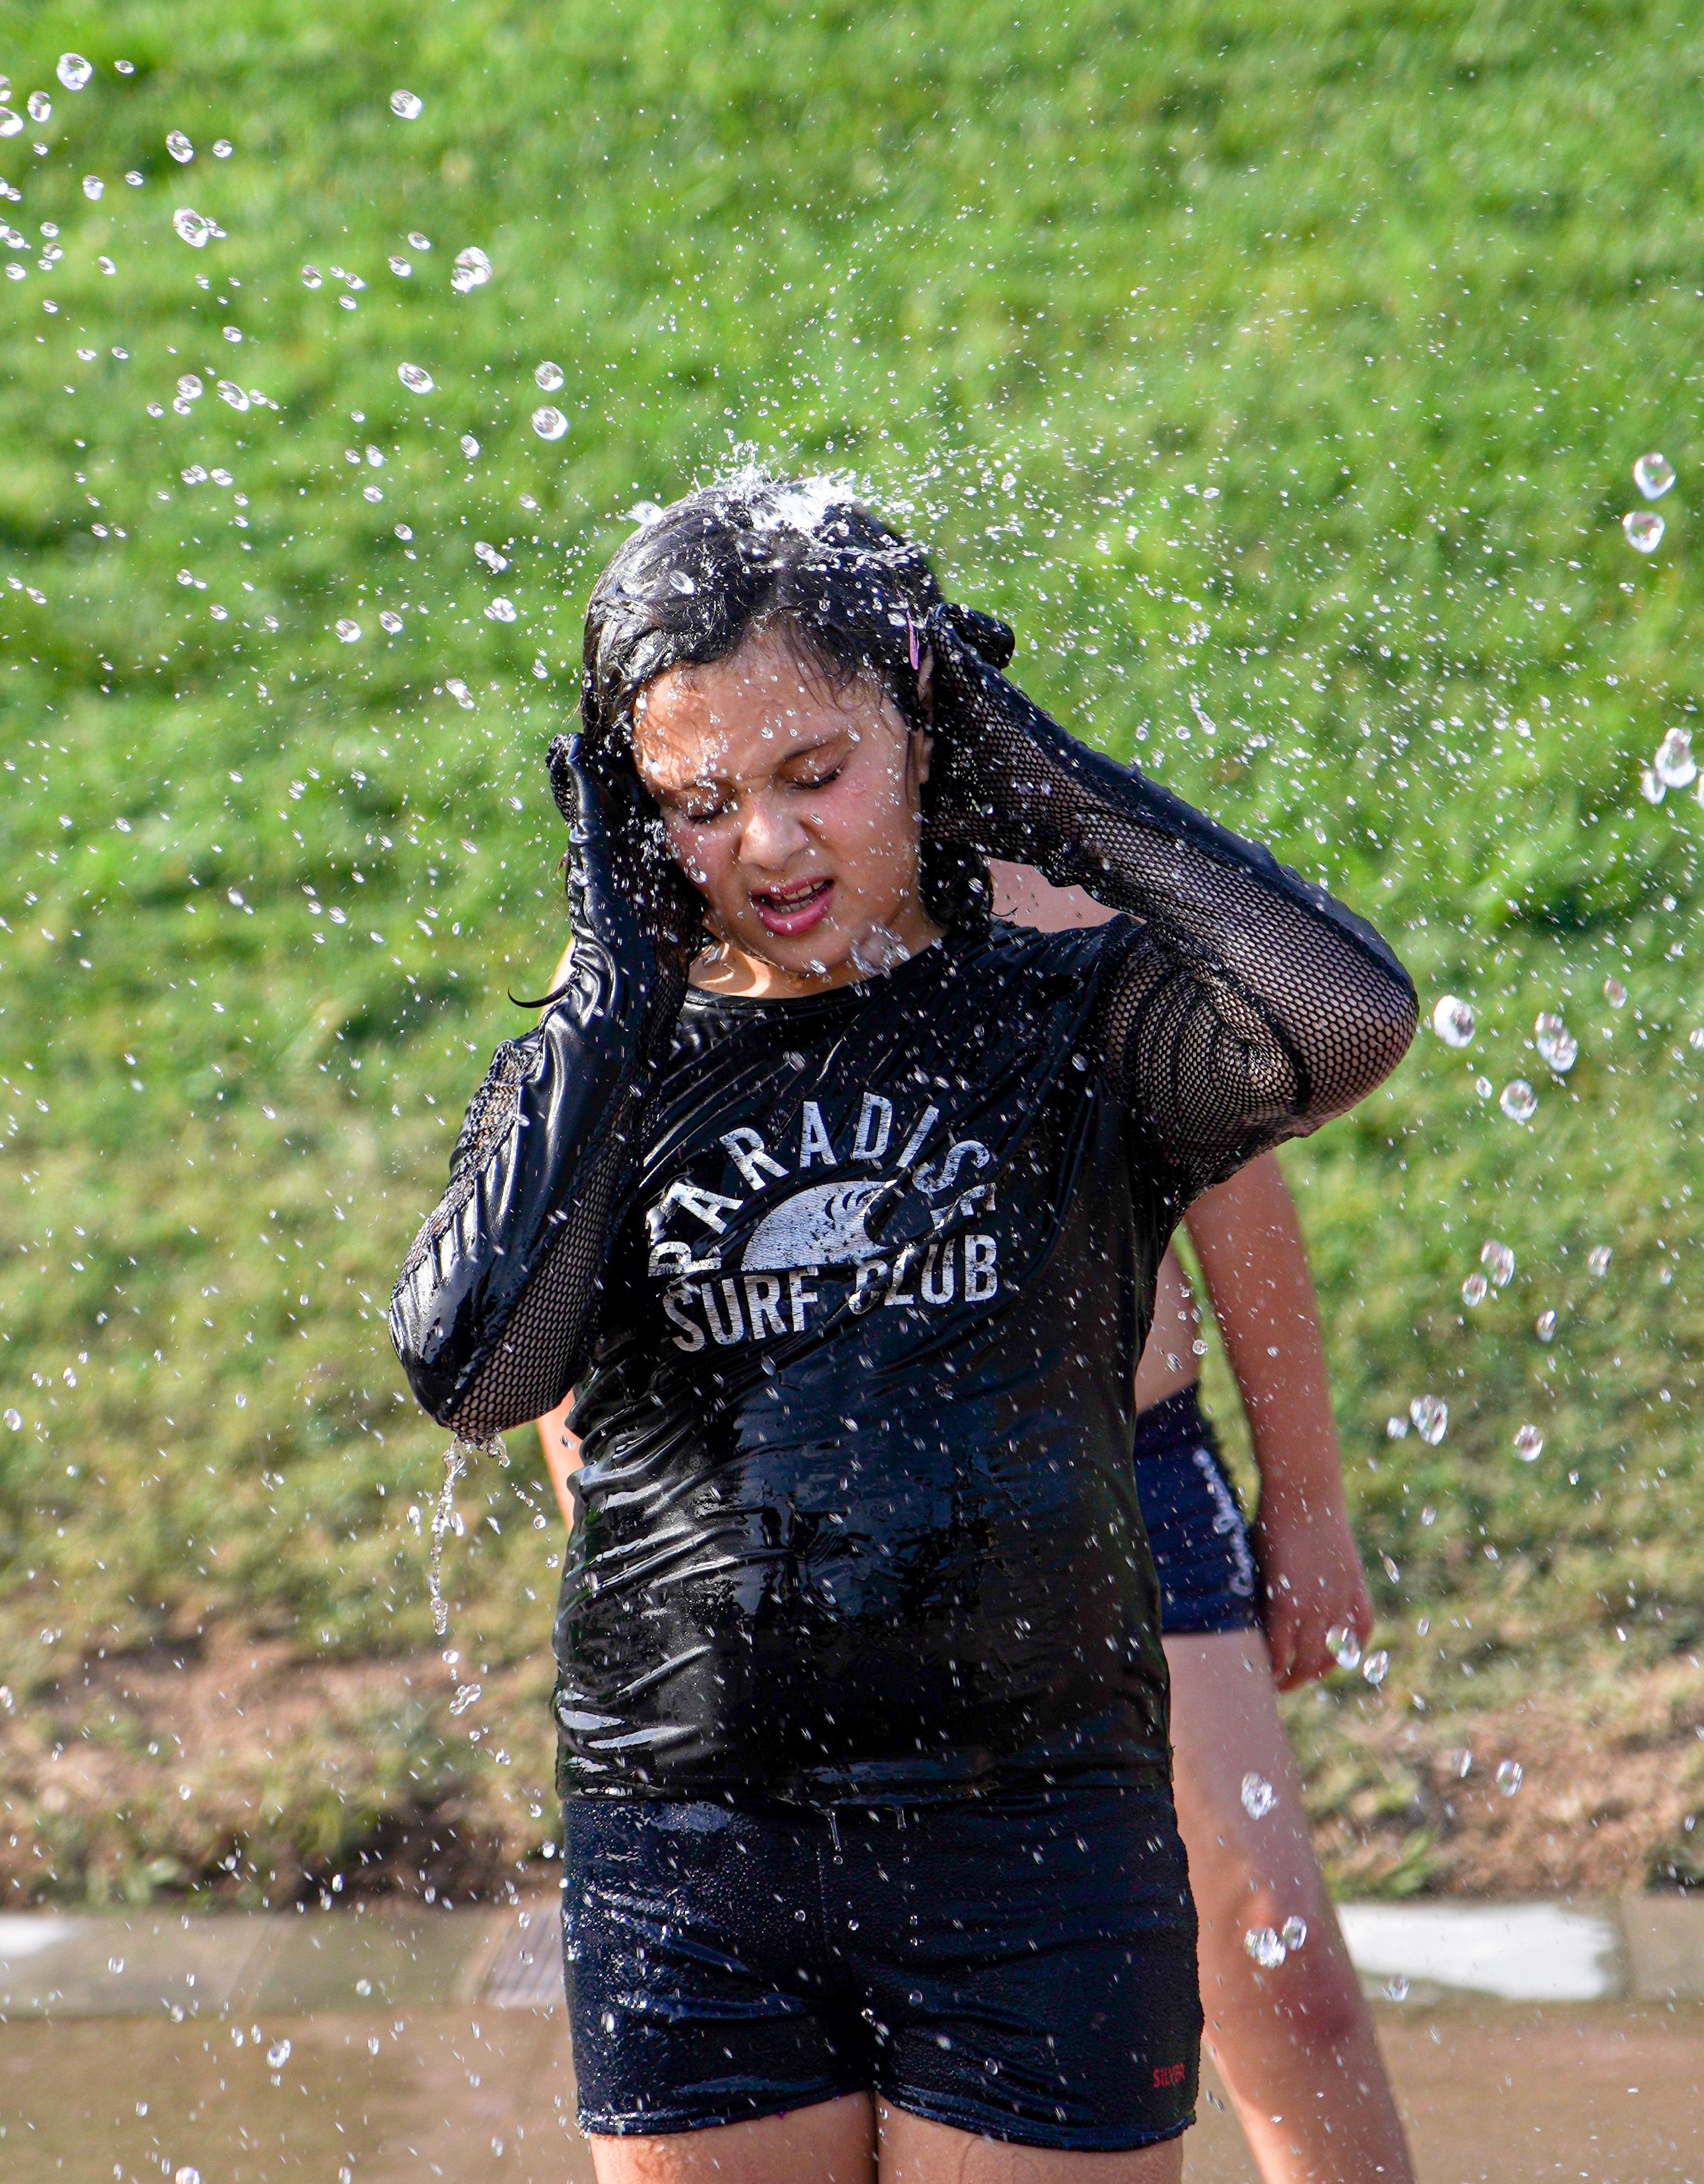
column 1255, row 1263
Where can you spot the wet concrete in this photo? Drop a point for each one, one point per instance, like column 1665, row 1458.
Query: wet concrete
column 1495, row 2095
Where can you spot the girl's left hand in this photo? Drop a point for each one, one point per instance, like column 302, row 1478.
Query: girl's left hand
column 1314, row 1582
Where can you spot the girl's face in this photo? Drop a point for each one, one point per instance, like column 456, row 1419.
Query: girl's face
column 793, row 805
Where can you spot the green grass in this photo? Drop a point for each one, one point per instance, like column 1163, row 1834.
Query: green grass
column 1278, row 372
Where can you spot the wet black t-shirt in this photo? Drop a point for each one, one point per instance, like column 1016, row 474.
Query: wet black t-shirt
column 858, row 1517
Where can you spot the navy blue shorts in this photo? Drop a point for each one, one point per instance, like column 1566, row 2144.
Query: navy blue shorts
column 1020, row 1965
column 1195, row 1527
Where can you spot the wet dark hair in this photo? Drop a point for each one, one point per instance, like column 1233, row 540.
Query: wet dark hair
column 803, row 559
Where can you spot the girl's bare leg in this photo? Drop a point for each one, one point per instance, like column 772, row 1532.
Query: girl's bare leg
column 1295, row 2047
column 833, row 2143
column 914, row 2151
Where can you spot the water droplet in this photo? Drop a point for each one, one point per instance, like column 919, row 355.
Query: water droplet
column 1498, row 1261
column 416, row 377
column 391, row 621
column 1695, row 1038
column 501, row 610
column 549, row 376
column 401, row 268
column 1650, row 787
column 1294, row 1932
column 1509, row 1776
column 1615, row 993
column 643, row 512
column 93, row 187
column 1397, row 1426
column 489, row 554
column 1598, row 1258
column 189, row 386
column 278, row 2055
column 1518, row 1100
column 1529, row 1444
column 877, row 949
column 179, row 148
column 222, row 147
column 1376, row 1667
column 1263, row 1945
column 1452, row 1019
column 349, row 631
column 459, row 690
column 187, row 2174
column 419, row 241
column 1473, row 1290
column 549, row 423
column 191, row 226
column 38, row 106
column 10, row 123
column 1557, row 1046
column 406, row 105
column 470, row 446
column 1259, row 1796
column 1644, row 528
column 680, row 582
column 472, row 270
column 1653, row 474
column 1396, row 1987
column 73, row 70
column 1545, row 1326
column 227, row 390
column 1343, row 1645
column 464, row 1696
column 1431, row 1417
column 1674, row 765
column 14, row 1420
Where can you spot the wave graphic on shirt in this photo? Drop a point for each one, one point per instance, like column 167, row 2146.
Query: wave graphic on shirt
column 822, row 1227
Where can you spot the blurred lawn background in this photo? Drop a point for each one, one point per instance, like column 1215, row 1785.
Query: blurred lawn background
column 1278, row 372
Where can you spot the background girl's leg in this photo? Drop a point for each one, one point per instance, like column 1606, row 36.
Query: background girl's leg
column 1295, row 2047
column 915, row 2151
column 833, row 2143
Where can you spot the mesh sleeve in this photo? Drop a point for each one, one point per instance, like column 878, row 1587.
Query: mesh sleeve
column 1246, row 1006
column 496, row 1306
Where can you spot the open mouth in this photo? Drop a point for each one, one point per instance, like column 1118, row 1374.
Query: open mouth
column 793, row 909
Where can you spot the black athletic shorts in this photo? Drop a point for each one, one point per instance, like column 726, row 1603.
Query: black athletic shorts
column 1195, row 1526
column 1019, row 1965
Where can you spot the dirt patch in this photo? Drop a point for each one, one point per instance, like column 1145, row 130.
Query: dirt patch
column 239, row 1769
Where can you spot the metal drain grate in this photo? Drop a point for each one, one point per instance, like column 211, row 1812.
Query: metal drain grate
column 527, row 1971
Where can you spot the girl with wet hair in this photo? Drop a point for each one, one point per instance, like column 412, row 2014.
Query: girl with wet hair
column 841, row 1203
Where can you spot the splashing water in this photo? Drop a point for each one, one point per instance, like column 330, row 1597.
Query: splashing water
column 1529, row 1444
column 1431, row 1417
column 1343, row 1645
column 1452, row 1019
column 1498, row 1261
column 455, row 1462
column 877, row 949
column 1653, row 474
column 1644, row 528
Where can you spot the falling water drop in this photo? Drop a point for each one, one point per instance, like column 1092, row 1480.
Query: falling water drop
column 406, row 105
column 349, row 631
column 1431, row 1417
column 1653, row 474
column 1498, row 1261
column 278, row 2055
column 501, row 610
column 1557, row 1046
column 1294, row 1932
column 1473, row 1290
column 1509, row 1776
column 472, row 269
column 1376, row 1667
column 549, row 376
column 1644, row 528
column 1263, row 1945
column 1545, row 1326
column 192, row 226
column 549, row 423
column 1343, row 1645
column 1615, row 993
column 74, row 71
column 39, row 107
column 179, row 148
column 1529, row 1444
column 443, row 1510
column 1518, row 1100
column 11, row 123
column 1674, row 765
column 1259, row 1796
column 15, row 1420
column 1598, row 1258
column 1452, row 1019
column 416, row 377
